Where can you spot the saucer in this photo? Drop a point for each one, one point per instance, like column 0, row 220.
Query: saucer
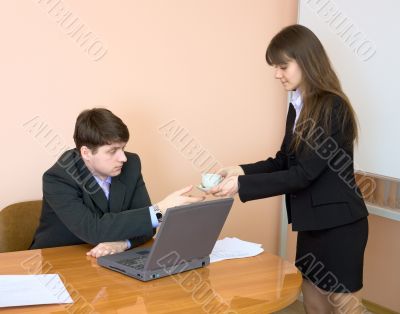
column 202, row 188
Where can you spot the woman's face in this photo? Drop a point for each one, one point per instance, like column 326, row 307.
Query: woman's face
column 289, row 74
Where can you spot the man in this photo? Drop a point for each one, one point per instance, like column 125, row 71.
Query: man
column 95, row 193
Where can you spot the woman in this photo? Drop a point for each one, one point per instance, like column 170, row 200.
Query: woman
column 314, row 168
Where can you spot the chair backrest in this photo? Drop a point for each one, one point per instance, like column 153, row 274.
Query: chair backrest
column 18, row 223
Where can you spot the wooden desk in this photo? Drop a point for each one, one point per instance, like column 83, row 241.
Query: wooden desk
column 261, row 284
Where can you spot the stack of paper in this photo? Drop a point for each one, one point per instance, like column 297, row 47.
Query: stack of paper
column 229, row 248
column 18, row 290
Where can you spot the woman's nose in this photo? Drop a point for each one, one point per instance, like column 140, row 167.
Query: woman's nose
column 278, row 73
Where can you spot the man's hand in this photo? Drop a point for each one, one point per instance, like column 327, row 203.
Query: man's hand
column 228, row 187
column 107, row 248
column 178, row 198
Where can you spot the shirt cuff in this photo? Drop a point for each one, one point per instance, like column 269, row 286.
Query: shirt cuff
column 154, row 220
column 128, row 243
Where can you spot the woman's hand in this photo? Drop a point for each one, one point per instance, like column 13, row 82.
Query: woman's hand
column 228, row 187
column 107, row 248
column 178, row 198
column 230, row 171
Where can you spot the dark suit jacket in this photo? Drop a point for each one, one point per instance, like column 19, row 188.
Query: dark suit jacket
column 318, row 193
column 76, row 210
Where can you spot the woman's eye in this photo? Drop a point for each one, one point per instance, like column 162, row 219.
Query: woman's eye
column 281, row 66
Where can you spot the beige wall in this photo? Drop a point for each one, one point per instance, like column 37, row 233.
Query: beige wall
column 198, row 63
column 382, row 260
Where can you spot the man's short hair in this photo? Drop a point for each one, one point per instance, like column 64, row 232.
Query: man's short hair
column 97, row 127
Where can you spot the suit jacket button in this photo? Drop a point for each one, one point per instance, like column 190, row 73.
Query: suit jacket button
column 293, row 195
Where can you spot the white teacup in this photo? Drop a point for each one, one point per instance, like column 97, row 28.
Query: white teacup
column 209, row 180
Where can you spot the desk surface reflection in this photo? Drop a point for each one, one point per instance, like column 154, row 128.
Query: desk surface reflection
column 261, row 284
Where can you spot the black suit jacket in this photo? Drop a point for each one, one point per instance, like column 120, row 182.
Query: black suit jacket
column 319, row 184
column 76, row 210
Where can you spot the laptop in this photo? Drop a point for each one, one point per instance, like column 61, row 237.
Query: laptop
column 184, row 241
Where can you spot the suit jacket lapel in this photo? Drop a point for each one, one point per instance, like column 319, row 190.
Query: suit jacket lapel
column 90, row 185
column 96, row 193
column 117, row 195
column 291, row 117
column 98, row 196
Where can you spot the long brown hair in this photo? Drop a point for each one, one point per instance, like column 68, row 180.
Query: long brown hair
column 319, row 84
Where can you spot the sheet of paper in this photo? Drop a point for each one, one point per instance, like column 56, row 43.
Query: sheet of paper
column 230, row 248
column 18, row 290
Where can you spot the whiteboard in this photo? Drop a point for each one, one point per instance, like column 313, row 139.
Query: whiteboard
column 363, row 43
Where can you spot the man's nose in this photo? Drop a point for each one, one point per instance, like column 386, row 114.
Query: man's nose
column 122, row 156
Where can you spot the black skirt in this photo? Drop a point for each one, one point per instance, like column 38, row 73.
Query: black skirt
column 332, row 259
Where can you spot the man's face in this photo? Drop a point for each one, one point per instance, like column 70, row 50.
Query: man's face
column 107, row 161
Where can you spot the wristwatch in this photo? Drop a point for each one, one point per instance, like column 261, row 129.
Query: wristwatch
column 158, row 212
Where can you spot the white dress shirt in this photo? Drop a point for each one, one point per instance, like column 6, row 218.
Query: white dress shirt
column 297, row 102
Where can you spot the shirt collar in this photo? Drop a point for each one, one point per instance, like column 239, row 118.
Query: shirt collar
column 295, row 99
column 101, row 182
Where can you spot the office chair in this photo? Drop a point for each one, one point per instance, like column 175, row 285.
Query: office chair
column 18, row 223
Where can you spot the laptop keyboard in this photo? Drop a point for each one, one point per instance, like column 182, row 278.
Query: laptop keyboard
column 136, row 262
